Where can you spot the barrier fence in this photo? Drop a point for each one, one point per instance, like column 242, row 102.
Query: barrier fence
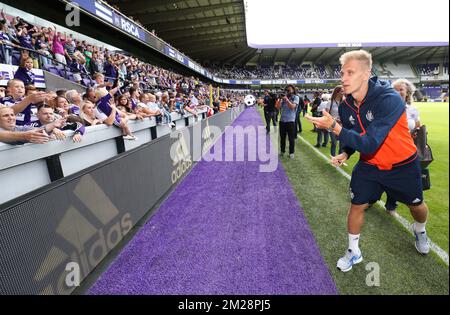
column 75, row 221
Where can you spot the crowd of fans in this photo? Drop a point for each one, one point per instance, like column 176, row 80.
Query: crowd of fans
column 307, row 71
column 120, row 88
column 428, row 69
column 29, row 115
column 295, row 72
column 298, row 72
column 78, row 60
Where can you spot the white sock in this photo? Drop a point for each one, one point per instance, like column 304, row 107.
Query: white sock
column 353, row 242
column 419, row 227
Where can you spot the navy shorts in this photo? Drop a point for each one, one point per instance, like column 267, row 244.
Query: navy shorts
column 403, row 183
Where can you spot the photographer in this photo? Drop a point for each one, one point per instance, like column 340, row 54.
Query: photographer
column 306, row 102
column 269, row 109
column 288, row 105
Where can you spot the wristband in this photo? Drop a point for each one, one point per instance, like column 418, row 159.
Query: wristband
column 333, row 125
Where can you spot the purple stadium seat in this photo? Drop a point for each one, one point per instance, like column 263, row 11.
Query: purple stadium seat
column 86, row 82
column 69, row 76
column 63, row 73
column 54, row 71
column 47, row 67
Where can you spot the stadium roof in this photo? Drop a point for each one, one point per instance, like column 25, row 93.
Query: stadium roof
column 214, row 30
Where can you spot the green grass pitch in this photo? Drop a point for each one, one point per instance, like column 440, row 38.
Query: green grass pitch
column 323, row 193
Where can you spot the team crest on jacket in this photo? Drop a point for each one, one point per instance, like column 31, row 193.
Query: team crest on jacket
column 352, row 195
column 369, row 116
column 352, row 120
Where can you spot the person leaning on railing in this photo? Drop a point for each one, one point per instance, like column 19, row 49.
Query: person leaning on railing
column 13, row 134
column 23, row 106
column 108, row 114
column 88, row 114
column 72, row 122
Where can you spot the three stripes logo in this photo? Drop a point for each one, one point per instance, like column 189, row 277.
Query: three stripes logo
column 181, row 158
column 85, row 234
column 103, row 12
column 208, row 138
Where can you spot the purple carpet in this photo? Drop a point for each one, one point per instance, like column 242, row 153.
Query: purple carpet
column 227, row 229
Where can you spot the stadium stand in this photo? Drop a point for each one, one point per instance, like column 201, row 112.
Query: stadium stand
column 400, row 70
column 90, row 59
column 387, row 70
column 157, row 103
column 432, row 92
column 153, row 97
column 428, row 69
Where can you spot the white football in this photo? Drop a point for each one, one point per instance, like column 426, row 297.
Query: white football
column 250, row 100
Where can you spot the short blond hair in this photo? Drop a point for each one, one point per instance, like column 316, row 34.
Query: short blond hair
column 101, row 92
column 360, row 55
column 98, row 75
column 12, row 81
column 3, row 107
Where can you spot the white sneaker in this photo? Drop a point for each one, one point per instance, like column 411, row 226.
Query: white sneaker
column 393, row 213
column 130, row 137
column 422, row 244
column 172, row 124
column 292, row 156
column 346, row 262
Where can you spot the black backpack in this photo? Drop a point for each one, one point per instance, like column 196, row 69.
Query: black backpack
column 423, row 149
column 425, row 155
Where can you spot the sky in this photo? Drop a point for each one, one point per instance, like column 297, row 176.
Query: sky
column 328, row 23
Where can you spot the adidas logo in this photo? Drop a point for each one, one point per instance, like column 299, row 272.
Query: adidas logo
column 89, row 236
column 181, row 158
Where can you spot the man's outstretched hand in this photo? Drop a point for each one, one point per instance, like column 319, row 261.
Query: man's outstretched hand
column 323, row 122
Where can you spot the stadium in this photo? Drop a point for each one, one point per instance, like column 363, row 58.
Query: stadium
column 143, row 149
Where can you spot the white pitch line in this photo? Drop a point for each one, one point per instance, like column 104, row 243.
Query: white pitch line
column 434, row 247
